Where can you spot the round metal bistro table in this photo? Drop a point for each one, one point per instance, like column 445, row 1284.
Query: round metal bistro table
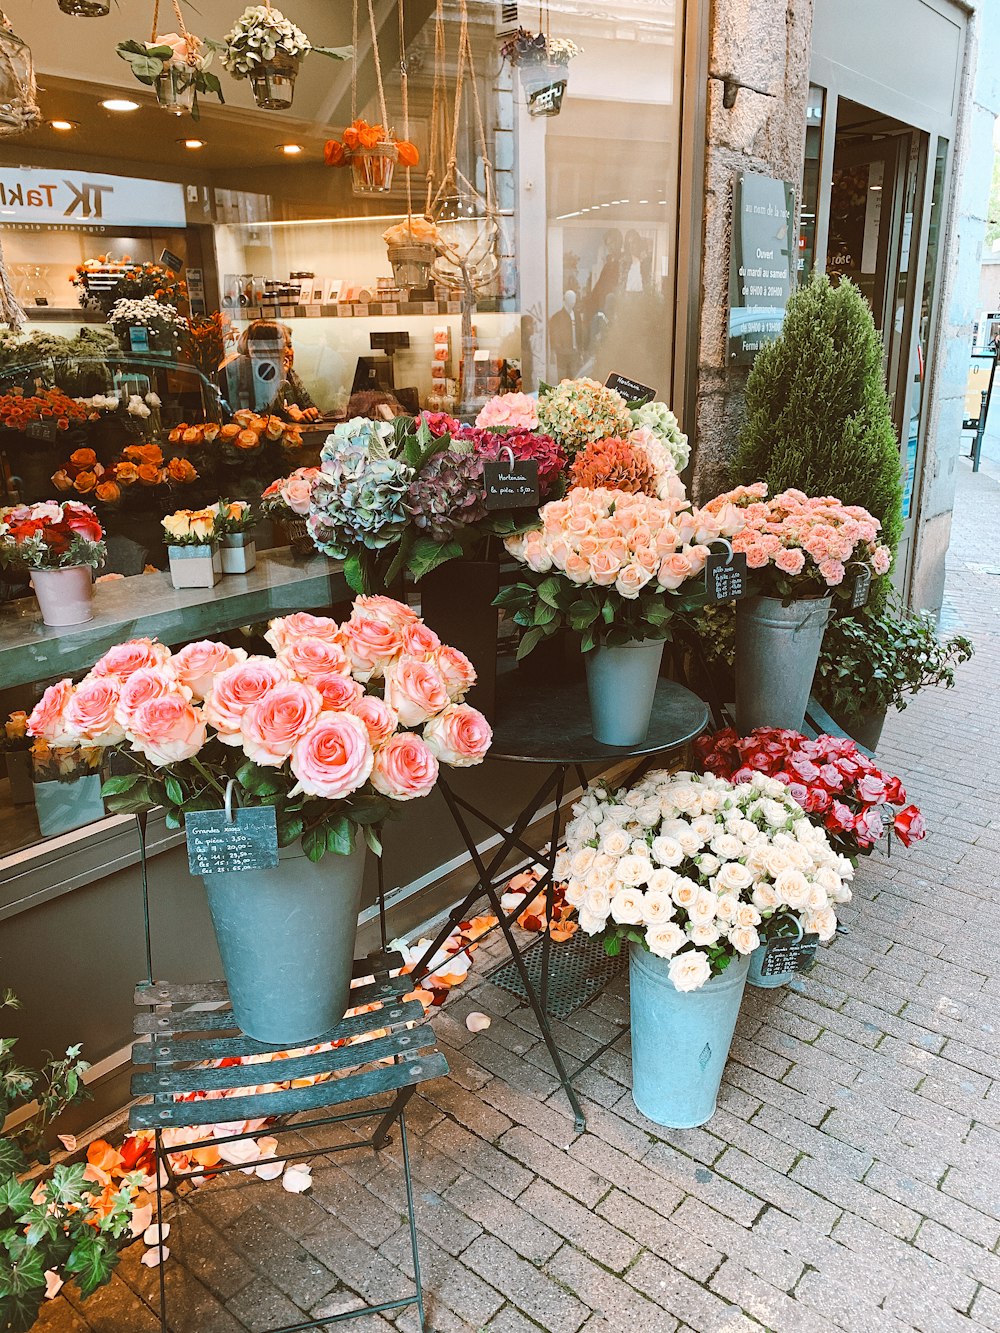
column 549, row 725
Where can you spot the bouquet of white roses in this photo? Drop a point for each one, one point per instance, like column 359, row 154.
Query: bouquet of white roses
column 699, row 871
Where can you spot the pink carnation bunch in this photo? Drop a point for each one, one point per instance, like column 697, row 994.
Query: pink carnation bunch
column 352, row 712
column 803, row 545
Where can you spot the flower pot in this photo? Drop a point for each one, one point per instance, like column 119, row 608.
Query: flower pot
column 456, row 601
column 62, row 806
column 621, row 683
column 777, row 648
column 298, row 537
column 286, row 937
column 19, row 777
column 86, row 9
column 865, row 727
column 680, row 1039
column 175, row 91
column 65, row 596
column 371, row 168
column 543, row 87
column 411, row 264
column 239, row 552
column 273, row 82
column 195, row 566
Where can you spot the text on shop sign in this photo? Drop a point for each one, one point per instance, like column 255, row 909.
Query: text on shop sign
column 29, row 194
column 218, row 844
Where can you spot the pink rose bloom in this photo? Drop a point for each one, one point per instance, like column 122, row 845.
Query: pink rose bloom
column 334, row 758
column 790, row 560
column 881, row 560
column 386, row 609
column 301, row 625
column 416, row 691
column 631, row 581
column 535, row 553
column 832, row 571
column 419, row 640
column 604, row 569
column 167, row 730
column 674, row 570
column 459, row 737
column 405, row 767
column 125, row 658
column 868, row 825
column 48, row 717
column 377, row 716
column 295, row 492
column 236, row 689
column 271, row 727
column 371, row 645
column 337, row 691
column 457, row 672
column 577, row 569
column 145, row 684
column 512, row 410
column 197, row 664
column 305, row 658
column 871, row 789
column 90, row 712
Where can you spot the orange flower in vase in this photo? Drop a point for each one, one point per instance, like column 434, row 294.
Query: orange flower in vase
column 371, row 151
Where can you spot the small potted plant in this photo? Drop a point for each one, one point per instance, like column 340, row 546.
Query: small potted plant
column 192, row 537
column 412, row 247
column 176, row 65
column 147, row 325
column 371, row 151
column 61, row 544
column 15, row 744
column 542, row 64
column 287, row 501
column 268, row 49
column 236, row 527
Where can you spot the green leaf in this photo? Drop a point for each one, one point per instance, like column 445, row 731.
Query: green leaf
column 175, row 792
column 114, row 786
column 258, row 781
column 172, row 820
column 12, row 1159
column 91, row 1262
column 427, row 554
column 353, row 574
column 372, row 839
column 544, row 615
column 549, row 591
column 531, row 640
column 314, row 843
column 338, row 836
column 612, row 945
column 15, row 1197
column 290, row 829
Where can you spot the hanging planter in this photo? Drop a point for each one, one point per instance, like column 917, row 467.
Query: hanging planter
column 175, row 65
column 266, row 48
column 542, row 64
column 412, row 247
column 371, row 151
column 86, row 9
column 19, row 109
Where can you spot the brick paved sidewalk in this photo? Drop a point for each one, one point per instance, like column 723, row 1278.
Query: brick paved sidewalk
column 850, row 1180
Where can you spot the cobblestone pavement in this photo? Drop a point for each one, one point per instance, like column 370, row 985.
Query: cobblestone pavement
column 849, row 1180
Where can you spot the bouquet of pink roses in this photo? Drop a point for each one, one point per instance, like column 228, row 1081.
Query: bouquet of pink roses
column 343, row 721
column 801, row 546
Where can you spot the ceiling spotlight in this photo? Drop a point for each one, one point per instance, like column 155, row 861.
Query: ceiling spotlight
column 192, row 143
column 119, row 104
column 290, row 149
column 64, row 124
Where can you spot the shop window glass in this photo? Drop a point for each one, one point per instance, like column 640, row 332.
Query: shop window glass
column 810, row 180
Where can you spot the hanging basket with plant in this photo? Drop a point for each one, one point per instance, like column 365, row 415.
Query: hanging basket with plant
column 371, row 151
column 266, row 48
column 86, row 9
column 542, row 63
column 175, row 64
column 412, row 247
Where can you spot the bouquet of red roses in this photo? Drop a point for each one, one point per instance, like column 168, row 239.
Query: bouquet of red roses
column 834, row 782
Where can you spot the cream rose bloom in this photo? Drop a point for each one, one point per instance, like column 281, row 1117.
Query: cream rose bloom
column 764, row 896
column 598, row 901
column 776, row 861
column 703, row 909
column 734, row 877
column 667, row 851
column 704, row 934
column 689, row 970
column 727, row 906
column 823, row 924
column 591, row 923
column 662, row 880
column 792, row 888
column 614, row 840
column 747, row 915
column 633, row 870
column 581, row 861
column 708, row 864
column 727, row 845
column 575, row 892
column 665, row 938
column 627, row 906
column 685, row 892
column 657, row 907
column 744, row 939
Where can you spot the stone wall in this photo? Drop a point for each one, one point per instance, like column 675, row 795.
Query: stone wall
column 764, row 46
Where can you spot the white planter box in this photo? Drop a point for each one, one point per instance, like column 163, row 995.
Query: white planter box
column 195, row 566
column 239, row 552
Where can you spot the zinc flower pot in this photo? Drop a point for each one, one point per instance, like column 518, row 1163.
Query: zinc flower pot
column 65, row 596
column 287, row 938
column 239, row 552
column 680, row 1039
column 195, row 566
column 62, row 806
column 273, row 82
column 777, row 648
column 621, row 683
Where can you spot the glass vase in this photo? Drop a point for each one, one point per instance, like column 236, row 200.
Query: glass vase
column 175, row 91
column 86, row 9
column 371, row 168
column 273, row 82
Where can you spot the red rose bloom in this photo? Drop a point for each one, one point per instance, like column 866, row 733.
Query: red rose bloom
column 909, row 825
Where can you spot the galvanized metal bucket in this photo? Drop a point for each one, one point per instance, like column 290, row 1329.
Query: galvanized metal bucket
column 777, row 648
column 621, row 683
column 287, row 938
column 680, row 1039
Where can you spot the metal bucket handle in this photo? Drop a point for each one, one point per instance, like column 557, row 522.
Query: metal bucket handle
column 826, row 611
column 721, row 541
column 231, row 800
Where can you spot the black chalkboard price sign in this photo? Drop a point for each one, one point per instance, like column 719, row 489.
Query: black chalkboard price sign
column 631, row 390
column 862, row 585
column 789, row 955
column 725, row 576
column 511, row 485
column 218, row 844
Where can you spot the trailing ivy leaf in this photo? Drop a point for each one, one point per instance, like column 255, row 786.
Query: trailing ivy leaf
column 19, row 1310
column 91, row 1263
column 12, row 1159
column 15, row 1197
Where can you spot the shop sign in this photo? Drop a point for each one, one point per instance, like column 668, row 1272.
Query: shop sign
column 86, row 200
column 761, row 263
column 632, row 391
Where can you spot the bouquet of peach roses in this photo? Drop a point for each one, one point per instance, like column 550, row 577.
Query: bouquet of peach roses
column 341, row 723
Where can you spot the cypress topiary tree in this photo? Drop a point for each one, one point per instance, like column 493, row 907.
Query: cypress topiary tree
column 817, row 413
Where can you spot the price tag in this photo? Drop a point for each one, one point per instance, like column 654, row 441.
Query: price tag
column 862, row 585
column 171, row 261
column 725, row 575
column 221, row 842
column 511, row 484
column 631, row 390
column 789, row 955
column 41, row 430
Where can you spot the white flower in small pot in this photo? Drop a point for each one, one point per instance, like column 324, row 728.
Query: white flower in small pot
column 176, row 65
column 237, row 528
column 266, row 48
column 543, row 65
column 147, row 325
column 192, row 537
column 61, row 543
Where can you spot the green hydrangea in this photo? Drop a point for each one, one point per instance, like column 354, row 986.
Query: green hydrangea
column 577, row 412
column 665, row 426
